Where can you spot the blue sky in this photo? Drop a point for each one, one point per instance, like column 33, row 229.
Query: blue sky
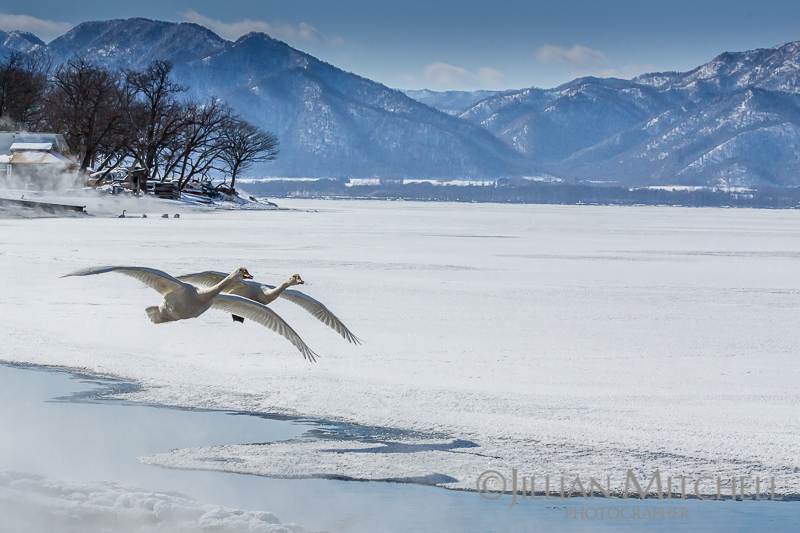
column 464, row 44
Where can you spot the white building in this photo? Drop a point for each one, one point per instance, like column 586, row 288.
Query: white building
column 26, row 154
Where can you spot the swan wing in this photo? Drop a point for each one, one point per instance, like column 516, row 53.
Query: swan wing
column 321, row 313
column 265, row 316
column 155, row 279
column 206, row 279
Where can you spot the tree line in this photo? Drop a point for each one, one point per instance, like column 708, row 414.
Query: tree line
column 139, row 118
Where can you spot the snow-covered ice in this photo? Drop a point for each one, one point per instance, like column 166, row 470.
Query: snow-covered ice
column 560, row 340
column 30, row 502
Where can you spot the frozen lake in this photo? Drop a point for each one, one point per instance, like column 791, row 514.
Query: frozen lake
column 52, row 427
column 558, row 340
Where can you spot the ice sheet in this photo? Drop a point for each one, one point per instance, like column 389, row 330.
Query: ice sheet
column 44, row 504
column 561, row 340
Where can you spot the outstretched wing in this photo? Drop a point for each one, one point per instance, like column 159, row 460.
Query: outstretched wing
column 156, row 279
column 320, row 312
column 263, row 315
column 206, row 279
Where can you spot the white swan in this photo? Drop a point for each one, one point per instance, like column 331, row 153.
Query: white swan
column 184, row 300
column 266, row 294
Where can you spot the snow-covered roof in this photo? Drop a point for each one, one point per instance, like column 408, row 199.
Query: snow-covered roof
column 15, row 147
column 8, row 138
column 36, row 157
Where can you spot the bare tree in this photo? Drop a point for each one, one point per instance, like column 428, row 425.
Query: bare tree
column 112, row 118
column 84, row 103
column 116, row 148
column 198, row 144
column 23, row 84
column 156, row 117
column 242, row 145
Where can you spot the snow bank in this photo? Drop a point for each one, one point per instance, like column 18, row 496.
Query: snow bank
column 423, row 461
column 415, row 460
column 108, row 205
column 34, row 503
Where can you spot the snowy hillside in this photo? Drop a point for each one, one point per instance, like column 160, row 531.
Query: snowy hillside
column 19, row 41
column 731, row 122
column 135, row 42
column 335, row 124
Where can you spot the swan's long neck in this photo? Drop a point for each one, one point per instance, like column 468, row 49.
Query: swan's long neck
column 273, row 293
column 214, row 290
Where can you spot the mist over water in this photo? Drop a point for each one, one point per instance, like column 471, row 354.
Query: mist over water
column 95, row 203
column 42, row 178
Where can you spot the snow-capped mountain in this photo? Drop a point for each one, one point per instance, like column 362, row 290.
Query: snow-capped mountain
column 734, row 121
column 19, row 41
column 136, row 42
column 330, row 123
column 772, row 69
column 333, row 123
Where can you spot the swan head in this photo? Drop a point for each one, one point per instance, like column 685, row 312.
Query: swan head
column 242, row 273
column 295, row 280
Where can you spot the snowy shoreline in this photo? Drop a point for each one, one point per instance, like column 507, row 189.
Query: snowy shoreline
column 32, row 501
column 331, row 457
column 562, row 341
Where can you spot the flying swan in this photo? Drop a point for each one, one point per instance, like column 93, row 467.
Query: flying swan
column 266, row 294
column 184, row 300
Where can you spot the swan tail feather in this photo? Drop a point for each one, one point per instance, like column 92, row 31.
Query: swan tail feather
column 154, row 314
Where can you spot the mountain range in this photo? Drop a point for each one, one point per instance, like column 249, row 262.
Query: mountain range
column 731, row 122
column 734, row 121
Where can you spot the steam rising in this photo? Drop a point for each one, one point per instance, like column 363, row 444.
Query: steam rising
column 41, row 178
column 59, row 185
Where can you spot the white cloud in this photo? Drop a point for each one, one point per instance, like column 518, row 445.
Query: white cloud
column 36, row 26
column 448, row 76
column 301, row 33
column 490, row 77
column 631, row 70
column 588, row 62
column 577, row 56
column 444, row 74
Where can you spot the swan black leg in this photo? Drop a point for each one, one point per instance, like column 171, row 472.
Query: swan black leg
column 237, row 318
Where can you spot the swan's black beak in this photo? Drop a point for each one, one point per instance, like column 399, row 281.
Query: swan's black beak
column 299, row 281
column 246, row 275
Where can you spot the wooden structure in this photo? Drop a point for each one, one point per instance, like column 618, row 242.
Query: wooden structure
column 167, row 190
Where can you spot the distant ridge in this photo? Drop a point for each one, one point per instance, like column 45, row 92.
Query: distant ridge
column 19, row 41
column 451, row 102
